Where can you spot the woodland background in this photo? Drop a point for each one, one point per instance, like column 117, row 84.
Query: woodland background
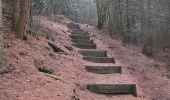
column 144, row 23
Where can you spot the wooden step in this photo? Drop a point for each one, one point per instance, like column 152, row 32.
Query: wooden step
column 80, row 37
column 104, row 69
column 112, row 84
column 73, row 26
column 79, row 32
column 94, row 53
column 83, row 41
column 118, row 89
column 99, row 59
column 85, row 46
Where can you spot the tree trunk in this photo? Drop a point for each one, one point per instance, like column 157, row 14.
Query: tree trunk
column 15, row 14
column 99, row 14
column 3, row 68
column 147, row 47
column 142, row 20
column 1, row 22
column 22, row 23
column 127, row 17
column 126, row 35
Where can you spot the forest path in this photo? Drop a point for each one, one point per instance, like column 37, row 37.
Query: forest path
column 25, row 82
column 105, row 74
column 150, row 74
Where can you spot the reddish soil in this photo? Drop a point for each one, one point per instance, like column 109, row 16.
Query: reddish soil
column 25, row 82
column 150, row 73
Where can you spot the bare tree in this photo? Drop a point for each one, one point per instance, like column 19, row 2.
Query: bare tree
column 15, row 13
column 139, row 22
column 3, row 68
column 22, row 23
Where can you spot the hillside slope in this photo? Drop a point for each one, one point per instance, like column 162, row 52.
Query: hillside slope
column 25, row 82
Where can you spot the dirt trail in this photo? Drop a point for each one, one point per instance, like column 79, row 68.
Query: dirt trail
column 25, row 82
column 93, row 78
column 150, row 74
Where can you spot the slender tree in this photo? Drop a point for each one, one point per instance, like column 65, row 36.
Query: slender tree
column 22, row 23
column 2, row 62
column 15, row 13
column 142, row 20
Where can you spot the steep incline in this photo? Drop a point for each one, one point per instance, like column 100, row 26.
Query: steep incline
column 106, row 76
column 91, row 66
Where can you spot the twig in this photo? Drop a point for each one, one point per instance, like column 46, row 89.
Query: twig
column 53, row 76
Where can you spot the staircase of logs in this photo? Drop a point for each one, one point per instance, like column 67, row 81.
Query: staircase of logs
column 116, row 84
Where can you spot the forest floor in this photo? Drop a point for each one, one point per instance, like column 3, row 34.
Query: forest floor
column 25, row 82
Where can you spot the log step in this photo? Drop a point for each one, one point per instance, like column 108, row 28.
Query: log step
column 117, row 89
column 85, row 46
column 79, row 32
column 104, row 69
column 80, row 37
column 73, row 26
column 99, row 59
column 94, row 53
column 82, row 41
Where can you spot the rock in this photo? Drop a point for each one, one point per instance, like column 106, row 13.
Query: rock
column 23, row 53
column 74, row 98
column 25, row 38
column 45, row 70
